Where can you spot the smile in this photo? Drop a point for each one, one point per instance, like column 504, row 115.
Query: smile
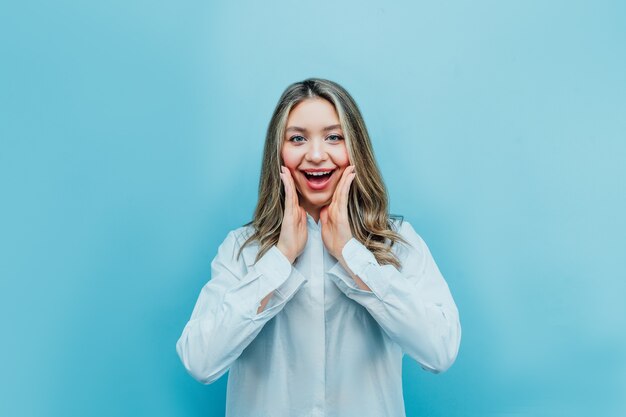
column 318, row 179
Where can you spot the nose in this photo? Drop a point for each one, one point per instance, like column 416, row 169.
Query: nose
column 316, row 152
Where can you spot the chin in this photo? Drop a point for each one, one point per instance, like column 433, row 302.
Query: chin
column 321, row 202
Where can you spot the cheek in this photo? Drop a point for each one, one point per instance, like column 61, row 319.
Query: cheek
column 290, row 159
column 341, row 157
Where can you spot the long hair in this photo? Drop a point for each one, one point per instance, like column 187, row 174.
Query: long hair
column 369, row 220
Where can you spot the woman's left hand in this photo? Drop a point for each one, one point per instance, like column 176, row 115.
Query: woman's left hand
column 335, row 226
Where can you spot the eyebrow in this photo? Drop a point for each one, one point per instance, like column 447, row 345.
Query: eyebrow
column 301, row 129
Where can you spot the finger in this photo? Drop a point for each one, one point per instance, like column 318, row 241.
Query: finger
column 324, row 214
column 342, row 180
column 340, row 187
column 292, row 185
column 343, row 198
column 294, row 192
column 303, row 216
column 288, row 192
column 287, row 198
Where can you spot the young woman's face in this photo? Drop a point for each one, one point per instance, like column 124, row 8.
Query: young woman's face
column 314, row 142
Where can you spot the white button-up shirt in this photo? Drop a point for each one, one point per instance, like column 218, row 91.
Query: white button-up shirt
column 322, row 346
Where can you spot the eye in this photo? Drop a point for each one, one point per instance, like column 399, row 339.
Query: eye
column 295, row 139
column 337, row 138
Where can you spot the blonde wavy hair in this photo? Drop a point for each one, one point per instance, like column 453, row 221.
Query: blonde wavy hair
column 369, row 220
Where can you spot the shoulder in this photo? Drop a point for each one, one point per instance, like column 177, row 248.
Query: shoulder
column 405, row 229
column 242, row 233
column 233, row 242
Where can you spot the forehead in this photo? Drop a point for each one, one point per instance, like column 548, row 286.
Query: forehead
column 313, row 114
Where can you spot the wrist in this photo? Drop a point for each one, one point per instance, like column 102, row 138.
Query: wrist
column 286, row 253
column 339, row 255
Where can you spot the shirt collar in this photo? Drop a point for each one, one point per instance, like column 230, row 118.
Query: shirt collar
column 312, row 223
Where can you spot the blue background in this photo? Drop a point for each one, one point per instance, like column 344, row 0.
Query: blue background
column 131, row 137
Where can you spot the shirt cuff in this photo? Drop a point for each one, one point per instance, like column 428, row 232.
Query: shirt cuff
column 274, row 264
column 364, row 265
column 278, row 275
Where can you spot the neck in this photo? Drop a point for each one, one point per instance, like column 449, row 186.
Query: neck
column 313, row 212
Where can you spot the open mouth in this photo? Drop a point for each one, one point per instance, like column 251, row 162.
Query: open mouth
column 318, row 180
column 318, row 177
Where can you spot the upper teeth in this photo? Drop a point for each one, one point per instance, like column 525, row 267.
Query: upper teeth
column 318, row 173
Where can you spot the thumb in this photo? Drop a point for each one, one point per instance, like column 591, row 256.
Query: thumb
column 324, row 214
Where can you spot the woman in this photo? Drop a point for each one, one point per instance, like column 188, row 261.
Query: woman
column 312, row 304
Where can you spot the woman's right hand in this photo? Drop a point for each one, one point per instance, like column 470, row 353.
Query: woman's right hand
column 293, row 231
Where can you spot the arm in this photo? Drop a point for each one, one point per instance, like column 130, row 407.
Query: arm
column 412, row 305
column 226, row 316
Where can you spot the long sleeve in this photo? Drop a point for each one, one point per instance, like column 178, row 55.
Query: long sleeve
column 413, row 305
column 224, row 320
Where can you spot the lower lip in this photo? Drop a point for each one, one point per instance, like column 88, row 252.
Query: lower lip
column 317, row 186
